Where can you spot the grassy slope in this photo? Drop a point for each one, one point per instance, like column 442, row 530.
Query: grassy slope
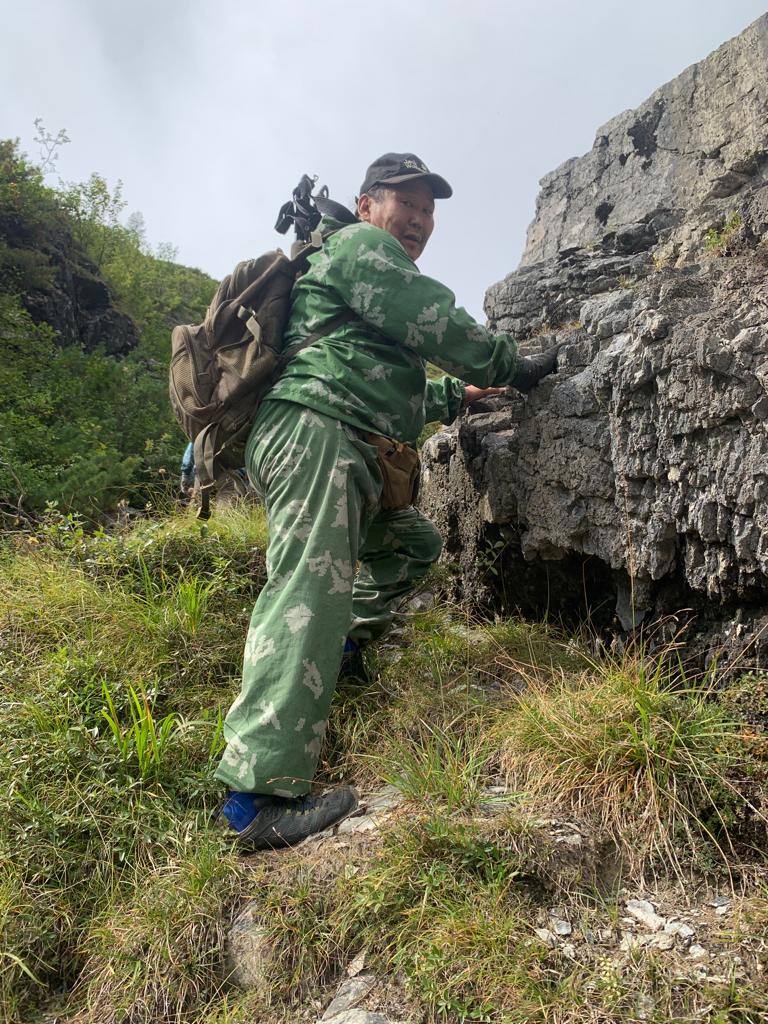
column 119, row 656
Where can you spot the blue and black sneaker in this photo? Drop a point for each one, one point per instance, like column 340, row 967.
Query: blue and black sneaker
column 353, row 669
column 260, row 822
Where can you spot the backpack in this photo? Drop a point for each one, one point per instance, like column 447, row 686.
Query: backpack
column 222, row 368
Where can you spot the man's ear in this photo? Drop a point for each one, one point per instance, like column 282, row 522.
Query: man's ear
column 364, row 207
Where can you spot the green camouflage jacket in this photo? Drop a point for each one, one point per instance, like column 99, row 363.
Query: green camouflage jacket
column 371, row 372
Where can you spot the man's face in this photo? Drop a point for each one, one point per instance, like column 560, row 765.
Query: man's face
column 406, row 211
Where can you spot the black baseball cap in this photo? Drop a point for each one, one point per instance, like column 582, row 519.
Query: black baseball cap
column 397, row 168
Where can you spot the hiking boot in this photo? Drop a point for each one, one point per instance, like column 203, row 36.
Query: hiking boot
column 278, row 821
column 353, row 669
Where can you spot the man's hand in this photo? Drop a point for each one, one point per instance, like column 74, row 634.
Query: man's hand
column 472, row 394
column 530, row 369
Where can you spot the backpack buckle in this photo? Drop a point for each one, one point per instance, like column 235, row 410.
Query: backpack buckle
column 251, row 323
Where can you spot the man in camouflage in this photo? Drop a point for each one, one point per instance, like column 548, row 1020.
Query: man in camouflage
column 309, row 455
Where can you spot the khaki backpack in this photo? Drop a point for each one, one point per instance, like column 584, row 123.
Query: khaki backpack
column 222, row 368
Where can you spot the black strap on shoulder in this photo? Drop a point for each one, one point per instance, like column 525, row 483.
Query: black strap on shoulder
column 300, row 252
column 315, row 244
column 344, row 317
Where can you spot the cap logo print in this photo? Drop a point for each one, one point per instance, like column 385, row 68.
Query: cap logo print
column 398, row 168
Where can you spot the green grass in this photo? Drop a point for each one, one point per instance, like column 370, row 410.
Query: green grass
column 717, row 239
column 120, row 654
column 659, row 764
column 449, row 903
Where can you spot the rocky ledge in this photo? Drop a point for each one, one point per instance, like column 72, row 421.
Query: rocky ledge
column 630, row 487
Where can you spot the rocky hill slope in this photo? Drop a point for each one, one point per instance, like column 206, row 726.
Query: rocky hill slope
column 545, row 835
column 631, row 485
column 86, row 309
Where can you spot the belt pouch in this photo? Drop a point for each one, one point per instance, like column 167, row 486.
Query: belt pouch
column 400, row 466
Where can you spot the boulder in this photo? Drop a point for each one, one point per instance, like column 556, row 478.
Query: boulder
column 631, row 486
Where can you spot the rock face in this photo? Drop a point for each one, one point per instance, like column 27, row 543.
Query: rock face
column 674, row 164
column 632, row 484
column 78, row 304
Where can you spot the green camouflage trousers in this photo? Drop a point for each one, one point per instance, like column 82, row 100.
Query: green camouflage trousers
column 321, row 484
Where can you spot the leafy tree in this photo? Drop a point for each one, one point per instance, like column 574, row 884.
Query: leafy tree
column 29, row 213
column 94, row 214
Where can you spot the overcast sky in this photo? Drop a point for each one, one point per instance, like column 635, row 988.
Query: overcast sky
column 210, row 112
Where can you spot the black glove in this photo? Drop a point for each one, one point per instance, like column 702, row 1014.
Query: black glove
column 530, row 369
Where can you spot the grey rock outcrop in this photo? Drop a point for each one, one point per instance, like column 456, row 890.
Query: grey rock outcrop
column 671, row 166
column 78, row 304
column 632, row 485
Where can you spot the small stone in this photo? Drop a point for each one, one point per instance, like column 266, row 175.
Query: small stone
column 697, row 952
column 249, row 953
column 561, row 927
column 645, row 913
column 661, row 940
column 356, row 965
column 574, row 839
column 568, row 949
column 722, row 910
column 720, row 901
column 674, row 927
column 645, row 1006
column 547, row 936
column 357, row 1017
column 351, row 991
column 365, row 823
column 318, row 837
column 386, row 799
column 422, row 602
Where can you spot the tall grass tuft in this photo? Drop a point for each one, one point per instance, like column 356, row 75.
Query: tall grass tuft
column 658, row 762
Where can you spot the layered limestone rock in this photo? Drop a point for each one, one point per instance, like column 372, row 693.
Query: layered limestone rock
column 631, row 486
column 674, row 163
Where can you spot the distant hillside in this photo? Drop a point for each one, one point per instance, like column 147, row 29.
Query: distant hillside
column 85, row 315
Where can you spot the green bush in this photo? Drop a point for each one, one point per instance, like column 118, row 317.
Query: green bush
column 83, row 429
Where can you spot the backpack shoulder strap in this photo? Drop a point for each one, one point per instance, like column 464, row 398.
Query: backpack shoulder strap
column 299, row 252
column 299, row 260
column 344, row 317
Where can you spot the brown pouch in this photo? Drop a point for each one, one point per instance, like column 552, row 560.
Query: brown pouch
column 399, row 465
